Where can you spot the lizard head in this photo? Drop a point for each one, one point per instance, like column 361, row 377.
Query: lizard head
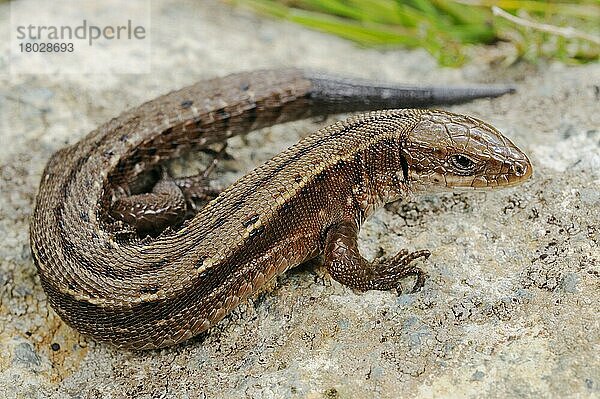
column 446, row 150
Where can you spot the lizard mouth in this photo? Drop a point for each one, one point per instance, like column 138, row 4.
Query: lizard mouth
column 517, row 174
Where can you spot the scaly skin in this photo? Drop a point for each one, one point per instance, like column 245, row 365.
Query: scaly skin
column 118, row 261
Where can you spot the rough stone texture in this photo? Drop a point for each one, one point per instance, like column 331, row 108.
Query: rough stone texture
column 511, row 305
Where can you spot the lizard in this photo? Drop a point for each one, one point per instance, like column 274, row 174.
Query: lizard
column 130, row 261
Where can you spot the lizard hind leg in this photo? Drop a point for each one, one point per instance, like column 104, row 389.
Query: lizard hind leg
column 151, row 213
column 345, row 264
column 169, row 203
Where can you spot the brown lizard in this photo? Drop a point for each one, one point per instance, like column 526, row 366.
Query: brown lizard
column 122, row 260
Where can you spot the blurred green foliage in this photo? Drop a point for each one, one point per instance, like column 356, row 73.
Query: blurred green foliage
column 448, row 29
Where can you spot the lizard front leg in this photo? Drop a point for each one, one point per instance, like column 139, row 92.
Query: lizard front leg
column 345, row 264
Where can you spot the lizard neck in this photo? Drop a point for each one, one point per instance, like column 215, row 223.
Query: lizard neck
column 384, row 173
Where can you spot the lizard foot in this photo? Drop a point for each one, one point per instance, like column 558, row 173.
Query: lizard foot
column 387, row 274
column 197, row 189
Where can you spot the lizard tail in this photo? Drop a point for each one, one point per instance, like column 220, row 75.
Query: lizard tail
column 332, row 94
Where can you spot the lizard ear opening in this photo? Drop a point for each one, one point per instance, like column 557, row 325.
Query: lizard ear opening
column 404, row 165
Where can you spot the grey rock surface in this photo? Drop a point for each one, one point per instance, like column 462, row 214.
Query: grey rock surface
column 511, row 305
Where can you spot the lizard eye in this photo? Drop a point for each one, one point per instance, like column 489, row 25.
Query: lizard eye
column 462, row 162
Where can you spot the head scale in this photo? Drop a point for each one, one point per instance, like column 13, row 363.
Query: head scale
column 447, row 151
